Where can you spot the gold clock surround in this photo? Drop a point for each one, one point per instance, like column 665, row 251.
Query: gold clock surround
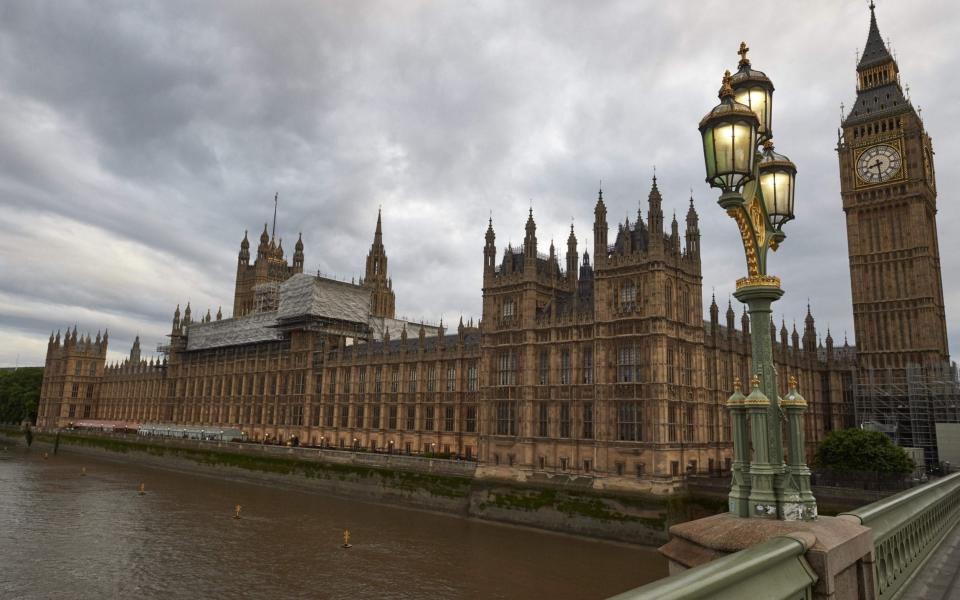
column 899, row 174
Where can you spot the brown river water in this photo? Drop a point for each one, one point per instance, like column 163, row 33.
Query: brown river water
column 72, row 536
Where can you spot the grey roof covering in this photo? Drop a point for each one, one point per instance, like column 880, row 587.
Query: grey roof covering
column 878, row 102
column 305, row 295
column 471, row 342
column 379, row 325
column 875, row 52
column 230, row 332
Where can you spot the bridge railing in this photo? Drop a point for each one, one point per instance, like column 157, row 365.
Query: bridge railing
column 775, row 569
column 907, row 526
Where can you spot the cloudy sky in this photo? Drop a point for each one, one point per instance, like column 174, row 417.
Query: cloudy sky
column 138, row 140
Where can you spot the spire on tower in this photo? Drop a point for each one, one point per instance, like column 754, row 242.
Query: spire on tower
column 276, row 197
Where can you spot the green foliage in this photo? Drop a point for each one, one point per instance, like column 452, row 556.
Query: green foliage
column 20, row 394
column 860, row 450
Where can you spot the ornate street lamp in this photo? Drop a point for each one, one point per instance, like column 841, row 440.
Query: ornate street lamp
column 758, row 193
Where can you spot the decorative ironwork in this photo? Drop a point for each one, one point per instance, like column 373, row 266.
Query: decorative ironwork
column 771, row 281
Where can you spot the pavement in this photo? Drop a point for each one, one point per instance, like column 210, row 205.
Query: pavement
column 939, row 577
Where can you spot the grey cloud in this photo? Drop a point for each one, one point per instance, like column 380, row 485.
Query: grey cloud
column 160, row 131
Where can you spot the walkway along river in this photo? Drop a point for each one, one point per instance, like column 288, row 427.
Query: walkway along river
column 65, row 534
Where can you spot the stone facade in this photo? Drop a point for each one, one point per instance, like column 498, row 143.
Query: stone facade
column 606, row 372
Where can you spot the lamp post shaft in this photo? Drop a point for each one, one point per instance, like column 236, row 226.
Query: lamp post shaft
column 767, row 469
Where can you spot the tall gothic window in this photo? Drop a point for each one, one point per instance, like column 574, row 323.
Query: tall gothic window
column 472, row 377
column 506, row 422
column 471, row 424
column 451, row 378
column 587, row 365
column 448, row 418
column 395, row 380
column 542, row 419
column 564, row 419
column 507, row 368
column 565, row 366
column 628, row 364
column 630, row 421
column 588, row 420
column 543, row 372
column 412, row 380
column 628, row 294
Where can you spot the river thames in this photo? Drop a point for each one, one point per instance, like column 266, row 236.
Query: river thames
column 68, row 535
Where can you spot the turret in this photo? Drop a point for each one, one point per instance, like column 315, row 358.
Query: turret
column 693, row 231
column 264, row 248
column 675, row 235
column 490, row 250
column 244, row 257
column 784, row 339
column 600, row 231
column 730, row 317
column 795, row 338
column 176, row 321
column 530, row 241
column 382, row 299
column 745, row 324
column 135, row 350
column 714, row 315
column 585, row 283
column 809, row 333
column 572, row 256
column 298, row 255
column 219, row 312
column 655, row 214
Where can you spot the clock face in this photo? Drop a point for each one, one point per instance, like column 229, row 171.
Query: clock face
column 878, row 163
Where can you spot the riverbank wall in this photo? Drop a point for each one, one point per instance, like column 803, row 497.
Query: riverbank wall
column 436, row 484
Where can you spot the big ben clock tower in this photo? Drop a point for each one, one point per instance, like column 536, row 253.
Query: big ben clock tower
column 888, row 186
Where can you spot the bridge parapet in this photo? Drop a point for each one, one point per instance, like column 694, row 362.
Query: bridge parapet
column 775, row 569
column 907, row 527
column 869, row 553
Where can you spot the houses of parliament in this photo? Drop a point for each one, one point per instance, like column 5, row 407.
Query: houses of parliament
column 587, row 362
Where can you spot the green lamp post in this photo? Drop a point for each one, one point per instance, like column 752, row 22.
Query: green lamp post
column 757, row 191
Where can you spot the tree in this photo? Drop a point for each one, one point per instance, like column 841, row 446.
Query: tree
column 861, row 450
column 20, row 394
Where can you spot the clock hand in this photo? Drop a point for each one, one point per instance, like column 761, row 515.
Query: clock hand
column 878, row 164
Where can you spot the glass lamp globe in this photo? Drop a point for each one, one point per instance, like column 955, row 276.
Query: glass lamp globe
column 754, row 89
column 729, row 133
column 778, row 176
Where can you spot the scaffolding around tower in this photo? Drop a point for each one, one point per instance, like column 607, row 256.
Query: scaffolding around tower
column 906, row 404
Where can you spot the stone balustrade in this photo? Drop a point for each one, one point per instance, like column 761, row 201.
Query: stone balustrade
column 869, row 553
